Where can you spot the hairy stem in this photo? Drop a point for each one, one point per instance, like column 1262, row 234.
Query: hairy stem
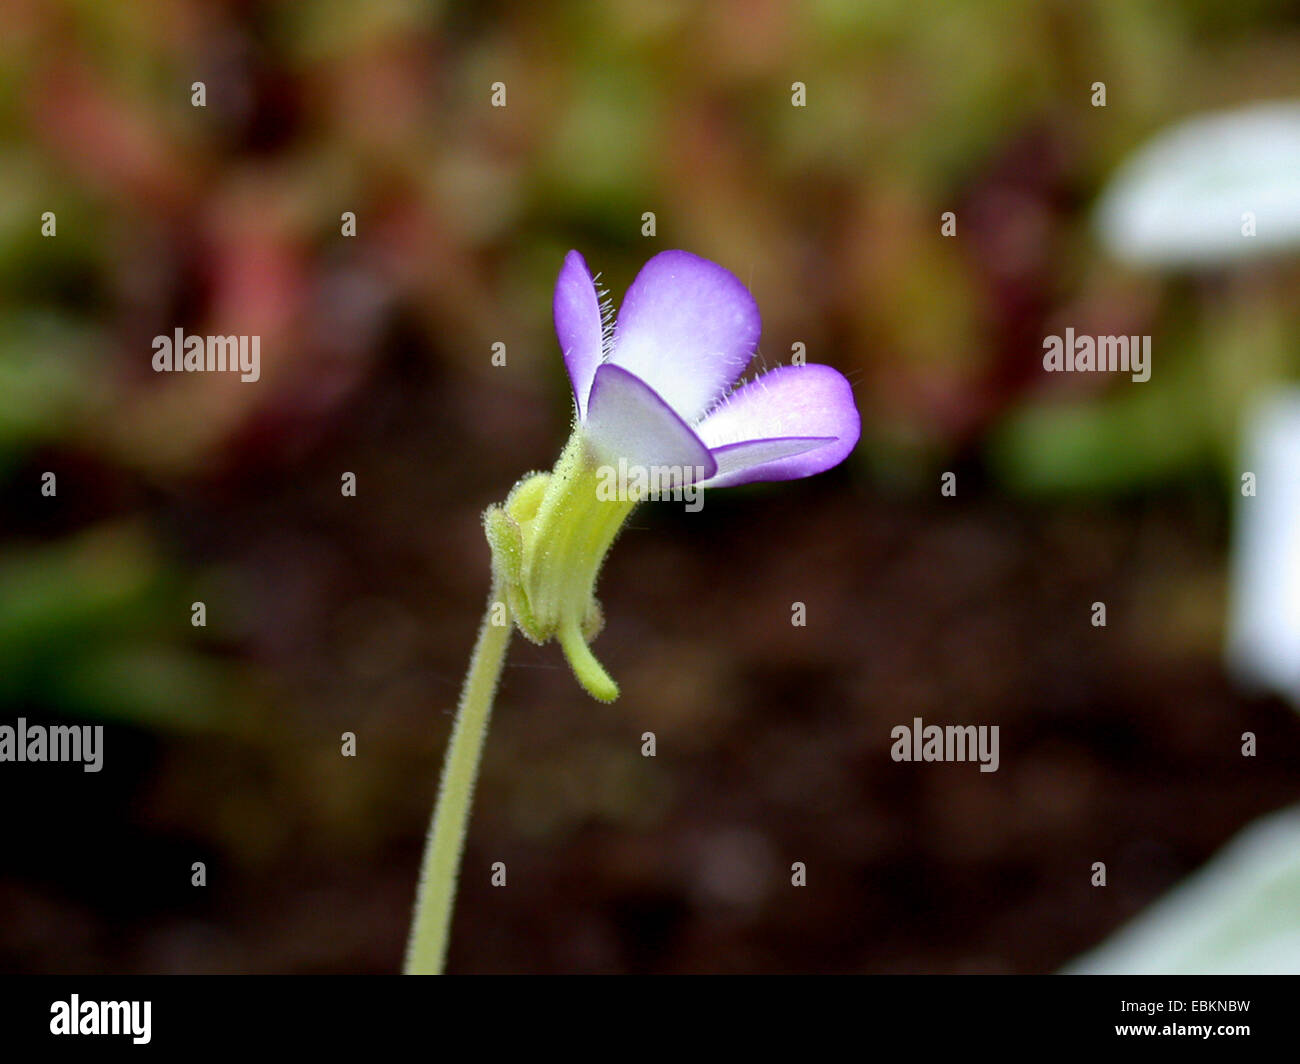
column 427, row 951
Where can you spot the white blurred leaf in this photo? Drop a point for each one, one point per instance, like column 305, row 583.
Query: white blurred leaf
column 1264, row 621
column 1240, row 914
column 1180, row 200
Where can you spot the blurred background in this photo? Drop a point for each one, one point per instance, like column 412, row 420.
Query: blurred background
column 328, row 614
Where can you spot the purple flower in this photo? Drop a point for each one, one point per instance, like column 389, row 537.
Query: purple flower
column 656, row 386
column 654, row 390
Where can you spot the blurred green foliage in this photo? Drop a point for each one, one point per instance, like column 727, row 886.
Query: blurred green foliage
column 226, row 219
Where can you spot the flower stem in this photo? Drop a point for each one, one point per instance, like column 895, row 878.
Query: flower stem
column 427, row 951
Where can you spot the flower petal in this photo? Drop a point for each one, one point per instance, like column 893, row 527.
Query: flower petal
column 578, row 326
column 687, row 328
column 736, row 458
column 790, row 403
column 627, row 420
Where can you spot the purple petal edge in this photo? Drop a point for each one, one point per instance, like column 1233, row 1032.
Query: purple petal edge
column 802, row 462
column 577, row 326
column 790, row 402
